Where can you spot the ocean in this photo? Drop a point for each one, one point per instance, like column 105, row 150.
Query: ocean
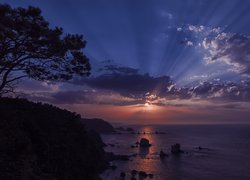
column 225, row 153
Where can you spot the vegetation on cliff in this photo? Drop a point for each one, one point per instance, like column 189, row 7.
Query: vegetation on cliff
column 40, row 141
column 98, row 125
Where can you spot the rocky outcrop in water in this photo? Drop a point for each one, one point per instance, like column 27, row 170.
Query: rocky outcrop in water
column 163, row 154
column 176, row 149
column 144, row 142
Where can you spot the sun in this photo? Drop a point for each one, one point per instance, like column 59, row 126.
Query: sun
column 146, row 104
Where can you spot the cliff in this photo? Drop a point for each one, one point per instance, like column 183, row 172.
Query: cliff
column 98, row 125
column 40, row 141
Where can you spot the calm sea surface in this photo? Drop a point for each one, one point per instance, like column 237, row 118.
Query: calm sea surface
column 226, row 153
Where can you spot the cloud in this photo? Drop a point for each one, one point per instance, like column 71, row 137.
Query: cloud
column 127, row 81
column 120, row 85
column 196, row 28
column 166, row 14
column 29, row 85
column 231, row 49
column 229, row 91
column 85, row 97
column 190, row 43
column 179, row 29
column 213, row 94
column 187, row 42
column 131, row 87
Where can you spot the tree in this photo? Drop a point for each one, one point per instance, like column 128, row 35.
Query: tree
column 29, row 47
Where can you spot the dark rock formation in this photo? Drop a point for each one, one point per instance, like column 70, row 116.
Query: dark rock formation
column 144, row 142
column 163, row 154
column 133, row 173
column 157, row 132
column 98, row 125
column 150, row 176
column 130, row 130
column 176, row 149
column 120, row 128
column 110, row 156
column 142, row 174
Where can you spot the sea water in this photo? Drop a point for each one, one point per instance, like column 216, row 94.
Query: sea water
column 225, row 152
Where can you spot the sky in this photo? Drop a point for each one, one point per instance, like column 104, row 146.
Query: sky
column 153, row 61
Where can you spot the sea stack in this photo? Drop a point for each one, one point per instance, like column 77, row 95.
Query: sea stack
column 144, row 142
column 176, row 149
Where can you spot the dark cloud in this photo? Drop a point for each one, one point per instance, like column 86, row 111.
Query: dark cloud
column 113, row 69
column 126, row 86
column 173, row 96
column 228, row 91
column 232, row 49
column 84, row 97
column 128, row 82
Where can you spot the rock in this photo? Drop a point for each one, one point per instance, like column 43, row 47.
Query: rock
column 123, row 174
column 121, row 157
column 163, row 154
column 98, row 125
column 150, row 176
column 157, row 132
column 176, row 149
column 142, row 174
column 144, row 142
column 130, row 130
column 133, row 173
column 110, row 156
column 202, row 148
column 120, row 129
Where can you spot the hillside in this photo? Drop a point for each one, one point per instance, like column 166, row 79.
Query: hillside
column 98, row 125
column 40, row 141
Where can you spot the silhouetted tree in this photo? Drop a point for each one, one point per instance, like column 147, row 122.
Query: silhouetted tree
column 30, row 48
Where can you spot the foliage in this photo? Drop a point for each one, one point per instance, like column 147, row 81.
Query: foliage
column 40, row 141
column 29, row 47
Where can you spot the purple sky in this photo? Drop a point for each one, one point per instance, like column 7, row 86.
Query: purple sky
column 154, row 61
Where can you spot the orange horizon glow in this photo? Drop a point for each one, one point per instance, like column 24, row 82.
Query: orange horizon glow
column 153, row 114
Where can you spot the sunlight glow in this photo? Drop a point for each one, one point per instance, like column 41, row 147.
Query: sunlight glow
column 147, row 104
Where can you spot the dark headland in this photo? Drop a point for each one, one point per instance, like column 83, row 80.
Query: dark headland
column 41, row 141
